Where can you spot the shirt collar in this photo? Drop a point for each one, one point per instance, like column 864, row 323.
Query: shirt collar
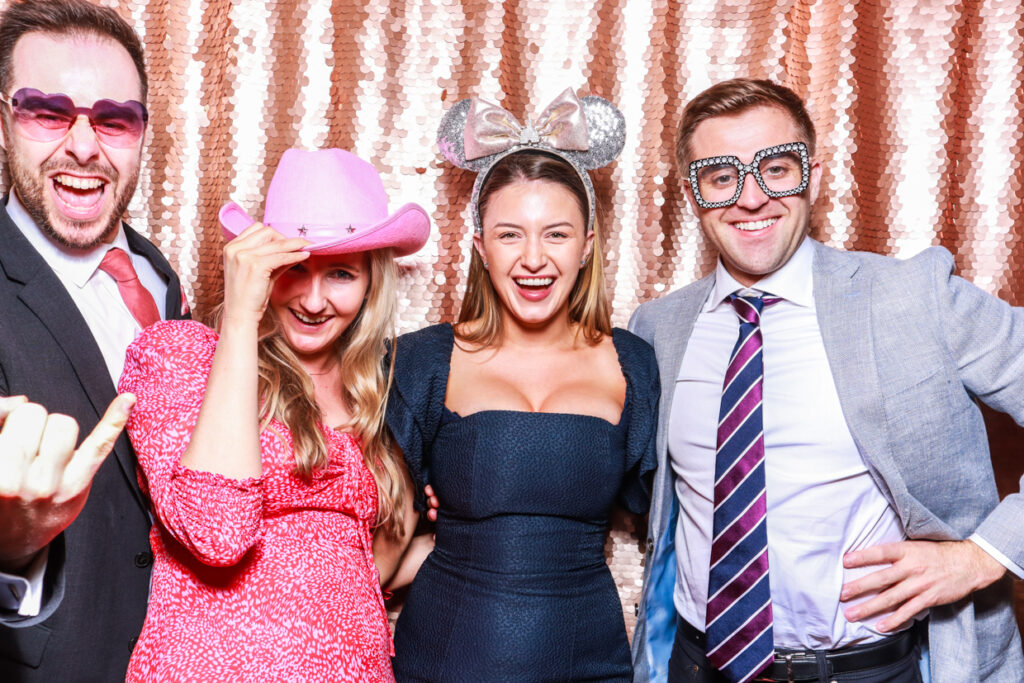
column 794, row 281
column 72, row 265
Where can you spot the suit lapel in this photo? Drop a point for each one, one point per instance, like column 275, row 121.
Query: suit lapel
column 44, row 294
column 842, row 296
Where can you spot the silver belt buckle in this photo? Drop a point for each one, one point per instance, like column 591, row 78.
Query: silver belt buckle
column 788, row 658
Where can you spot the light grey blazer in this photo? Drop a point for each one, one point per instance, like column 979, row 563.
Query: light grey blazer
column 911, row 348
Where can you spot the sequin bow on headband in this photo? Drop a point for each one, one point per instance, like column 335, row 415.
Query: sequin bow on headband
column 586, row 132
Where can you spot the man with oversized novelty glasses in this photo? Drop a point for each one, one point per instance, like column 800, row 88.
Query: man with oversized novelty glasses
column 76, row 286
column 825, row 507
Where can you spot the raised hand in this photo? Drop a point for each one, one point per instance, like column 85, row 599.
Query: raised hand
column 44, row 479
column 226, row 437
column 252, row 262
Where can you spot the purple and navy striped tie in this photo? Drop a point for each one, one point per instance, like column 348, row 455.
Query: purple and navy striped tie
column 739, row 615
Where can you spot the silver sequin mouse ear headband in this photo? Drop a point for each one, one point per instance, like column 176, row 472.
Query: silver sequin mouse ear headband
column 588, row 133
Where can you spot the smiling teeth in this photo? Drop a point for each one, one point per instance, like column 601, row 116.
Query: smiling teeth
column 754, row 225
column 534, row 281
column 309, row 321
column 79, row 183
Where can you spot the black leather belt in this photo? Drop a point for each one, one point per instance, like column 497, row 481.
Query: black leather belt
column 802, row 665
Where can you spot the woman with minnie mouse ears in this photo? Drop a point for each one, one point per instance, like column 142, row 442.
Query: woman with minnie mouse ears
column 530, row 417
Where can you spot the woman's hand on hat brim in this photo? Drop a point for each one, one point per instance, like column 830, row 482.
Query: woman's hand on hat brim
column 252, row 263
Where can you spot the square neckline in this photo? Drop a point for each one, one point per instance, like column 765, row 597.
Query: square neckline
column 449, row 415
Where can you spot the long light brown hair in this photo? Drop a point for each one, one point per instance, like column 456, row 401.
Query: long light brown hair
column 286, row 391
column 588, row 301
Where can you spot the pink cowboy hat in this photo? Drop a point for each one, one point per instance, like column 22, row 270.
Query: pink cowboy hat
column 335, row 200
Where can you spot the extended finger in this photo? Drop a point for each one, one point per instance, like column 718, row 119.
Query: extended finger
column 905, row 614
column 272, row 260
column 873, row 582
column 886, row 601
column 886, row 553
column 271, row 255
column 253, row 229
column 284, row 261
column 19, row 443
column 97, row 446
column 46, row 470
column 281, row 244
column 286, row 257
column 255, row 235
column 261, row 239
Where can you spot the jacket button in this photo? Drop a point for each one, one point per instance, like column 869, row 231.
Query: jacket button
column 143, row 559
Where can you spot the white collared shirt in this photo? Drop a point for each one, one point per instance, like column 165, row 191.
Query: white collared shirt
column 822, row 500
column 96, row 295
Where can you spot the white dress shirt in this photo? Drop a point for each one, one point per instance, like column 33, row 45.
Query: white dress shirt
column 98, row 299
column 822, row 500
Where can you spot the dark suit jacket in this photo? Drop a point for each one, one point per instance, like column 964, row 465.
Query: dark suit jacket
column 97, row 579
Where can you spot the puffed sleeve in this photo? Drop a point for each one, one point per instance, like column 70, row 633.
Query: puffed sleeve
column 215, row 517
column 416, row 400
column 643, row 390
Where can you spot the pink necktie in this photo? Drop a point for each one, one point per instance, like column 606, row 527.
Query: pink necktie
column 118, row 265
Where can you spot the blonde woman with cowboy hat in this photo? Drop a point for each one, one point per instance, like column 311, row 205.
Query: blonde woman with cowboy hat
column 262, row 445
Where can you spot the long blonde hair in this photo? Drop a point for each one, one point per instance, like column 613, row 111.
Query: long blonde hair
column 588, row 300
column 286, row 391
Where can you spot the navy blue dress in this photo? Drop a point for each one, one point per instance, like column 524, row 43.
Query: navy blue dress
column 517, row 587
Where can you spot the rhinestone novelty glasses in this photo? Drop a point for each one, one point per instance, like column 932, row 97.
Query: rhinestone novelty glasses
column 780, row 171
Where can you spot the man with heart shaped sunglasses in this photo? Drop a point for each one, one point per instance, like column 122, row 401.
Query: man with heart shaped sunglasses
column 76, row 287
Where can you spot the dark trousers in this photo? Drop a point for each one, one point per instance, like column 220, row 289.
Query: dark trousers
column 688, row 664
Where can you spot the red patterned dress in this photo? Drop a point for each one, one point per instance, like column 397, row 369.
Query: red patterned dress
column 261, row 579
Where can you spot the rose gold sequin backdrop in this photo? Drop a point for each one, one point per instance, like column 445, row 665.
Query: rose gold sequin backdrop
column 918, row 105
